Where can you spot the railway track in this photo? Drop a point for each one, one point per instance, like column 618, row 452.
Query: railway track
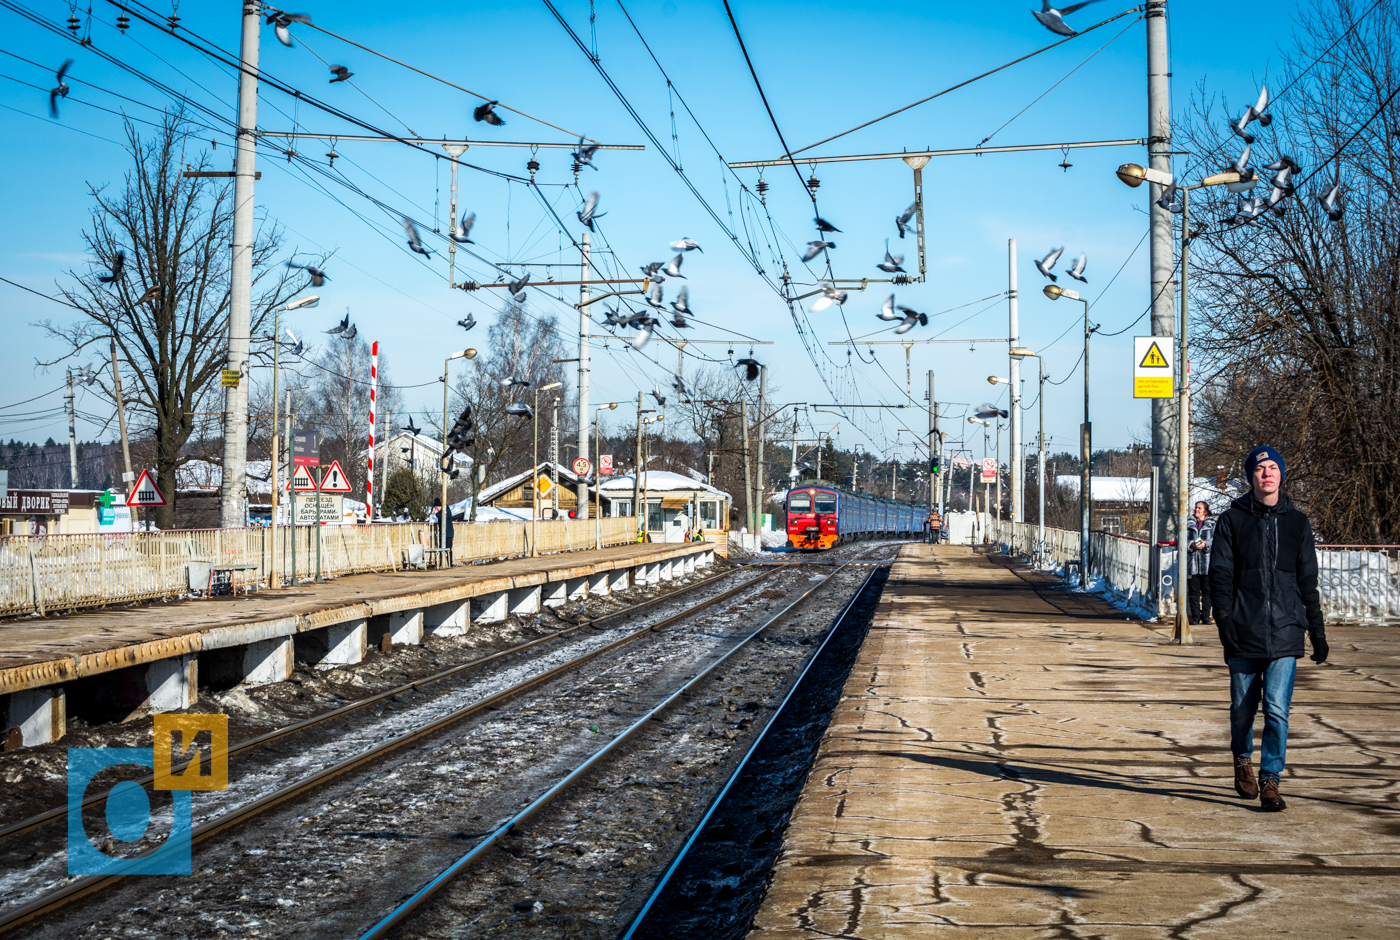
column 51, row 903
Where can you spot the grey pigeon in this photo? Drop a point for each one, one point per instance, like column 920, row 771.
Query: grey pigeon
column 651, row 270
column 463, row 230
column 911, row 318
column 61, row 91
column 414, row 242
column 118, row 269
column 1054, row 20
column 687, row 244
column 682, row 307
column 410, row 427
column 901, row 222
column 1045, row 264
column 521, row 409
column 318, row 277
column 1284, row 168
column 341, row 73
column 660, row 398
column 1076, row 270
column 830, row 295
column 988, row 410
column 887, row 309
column 86, row 375
column 296, row 347
column 517, row 288
column 590, row 211
column 614, row 317
column 824, row 226
column 679, row 386
column 751, row 367
column 342, row 326
column 584, row 153
column 350, row 333
column 487, row 112
column 816, row 248
column 1246, row 211
column 674, row 268
column 284, row 20
column 892, row 263
column 654, row 298
column 1241, row 166
column 468, row 323
column 1331, row 202
column 512, row 381
column 1254, row 112
column 642, row 338
column 1173, row 199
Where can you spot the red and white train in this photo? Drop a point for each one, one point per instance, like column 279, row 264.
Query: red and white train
column 820, row 515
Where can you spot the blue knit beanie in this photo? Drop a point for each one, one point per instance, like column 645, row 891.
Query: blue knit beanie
column 1264, row 453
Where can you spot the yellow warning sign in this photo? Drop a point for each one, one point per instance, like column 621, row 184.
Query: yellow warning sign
column 1154, row 359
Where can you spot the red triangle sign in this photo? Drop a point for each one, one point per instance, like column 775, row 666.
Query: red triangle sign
column 334, row 480
column 301, row 481
column 145, row 492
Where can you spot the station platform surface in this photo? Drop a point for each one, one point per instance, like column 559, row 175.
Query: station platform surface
column 1014, row 760
column 37, row 652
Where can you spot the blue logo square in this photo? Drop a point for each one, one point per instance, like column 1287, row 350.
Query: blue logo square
column 128, row 817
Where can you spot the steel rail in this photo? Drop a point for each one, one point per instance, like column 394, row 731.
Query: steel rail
column 93, row 883
column 405, row 909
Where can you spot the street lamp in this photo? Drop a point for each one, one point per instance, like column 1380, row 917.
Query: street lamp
column 1086, row 434
column 445, row 516
column 1134, row 175
column 301, row 303
column 1017, row 353
column 598, row 474
column 535, row 467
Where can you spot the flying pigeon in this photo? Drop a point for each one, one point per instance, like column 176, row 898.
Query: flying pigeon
column 1284, row 168
column 284, row 20
column 318, row 277
column 1241, row 166
column 1173, row 199
column 468, row 323
column 341, row 73
column 342, row 326
column 682, row 307
column 410, row 428
column 816, row 248
column 584, row 153
column 654, row 298
column 88, row 376
column 892, row 263
column 487, row 112
column 752, row 367
column 517, row 288
column 1076, row 270
column 911, row 317
column 350, row 333
column 687, row 244
column 1274, row 202
column 1332, row 202
column 589, row 211
column 512, row 380
column 1246, row 211
column 642, row 337
column 988, row 410
column 296, row 347
column 61, row 91
column 674, row 268
column 830, row 295
column 679, row 385
column 414, row 242
column 1045, row 264
column 1254, row 113
column 1053, row 19
column 151, row 293
column 901, row 222
column 887, row 309
column 660, row 398
column 824, row 226
column 651, row 270
column 521, row 409
column 118, row 268
column 463, row 229
column 614, row 317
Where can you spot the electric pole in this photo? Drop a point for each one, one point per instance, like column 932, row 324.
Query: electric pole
column 748, row 466
column 637, row 474
column 758, row 464
column 1018, row 483
column 235, row 465
column 72, row 436
column 128, row 477
column 584, row 324
column 1159, row 145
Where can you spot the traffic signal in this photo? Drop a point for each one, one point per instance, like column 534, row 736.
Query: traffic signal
column 460, row 437
column 934, row 464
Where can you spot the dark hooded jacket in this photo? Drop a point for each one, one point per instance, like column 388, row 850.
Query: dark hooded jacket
column 1263, row 579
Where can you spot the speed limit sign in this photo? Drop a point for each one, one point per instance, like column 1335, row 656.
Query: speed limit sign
column 582, row 466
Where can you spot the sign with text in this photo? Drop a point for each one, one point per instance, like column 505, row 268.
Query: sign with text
column 306, row 448
column 1152, row 366
column 34, row 503
column 229, row 378
column 328, row 508
column 989, row 469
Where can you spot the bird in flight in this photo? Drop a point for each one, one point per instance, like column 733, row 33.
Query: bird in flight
column 830, row 295
column 464, row 228
column 589, row 212
column 1173, row 199
column 342, row 326
column 151, row 293
column 687, row 244
column 644, row 335
column 521, row 409
column 318, row 277
column 816, row 248
column 887, row 309
column 651, row 270
column 517, row 288
column 467, row 323
column 487, row 112
column 653, row 299
column 512, row 380
column 824, row 226
column 285, row 20
column 660, row 398
column 674, row 268
column 1331, row 202
column 584, row 153
column 341, row 73
column 1076, row 270
column 296, row 347
column 414, row 242
column 61, row 91
column 1054, row 19
column 892, row 263
column 1045, row 264
column 751, row 367
column 1254, row 112
column 118, row 269
column 682, row 307
column 911, row 318
column 901, row 221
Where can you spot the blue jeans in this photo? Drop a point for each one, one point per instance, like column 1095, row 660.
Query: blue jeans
column 1249, row 679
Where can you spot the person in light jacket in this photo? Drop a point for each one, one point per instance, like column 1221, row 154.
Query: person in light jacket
column 1200, row 532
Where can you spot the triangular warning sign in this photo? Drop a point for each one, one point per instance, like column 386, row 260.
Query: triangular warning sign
column 145, row 492
column 1154, row 359
column 335, row 480
column 301, row 481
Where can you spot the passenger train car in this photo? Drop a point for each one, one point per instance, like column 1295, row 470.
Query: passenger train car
column 820, row 515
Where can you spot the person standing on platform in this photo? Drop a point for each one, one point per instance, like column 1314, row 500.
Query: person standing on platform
column 436, row 521
column 1263, row 581
column 1200, row 532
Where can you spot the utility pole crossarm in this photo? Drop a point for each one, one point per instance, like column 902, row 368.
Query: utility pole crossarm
column 435, row 142
column 854, row 158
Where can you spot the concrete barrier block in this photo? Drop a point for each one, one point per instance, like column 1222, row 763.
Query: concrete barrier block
column 653, row 573
column 268, row 661
column 665, row 569
column 450, row 619
column 578, row 589
column 172, row 684
column 619, row 579
column 490, row 608
column 41, row 715
column 598, row 583
column 554, row 593
column 406, row 627
column 524, row 600
column 688, row 564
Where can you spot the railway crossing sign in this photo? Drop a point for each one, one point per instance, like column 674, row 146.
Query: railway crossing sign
column 605, row 465
column 989, row 469
column 335, row 480
column 145, row 492
column 582, row 466
column 301, row 480
column 1152, row 366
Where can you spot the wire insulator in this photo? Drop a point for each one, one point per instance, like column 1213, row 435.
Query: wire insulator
column 533, row 166
column 123, row 23
column 74, row 24
column 813, row 183
column 469, row 285
column 902, row 279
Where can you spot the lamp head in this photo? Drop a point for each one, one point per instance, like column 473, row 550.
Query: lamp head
column 1052, row 291
column 918, row 162
column 310, row 300
column 545, row 388
column 471, row 353
column 1135, row 175
column 612, row 405
column 1018, row 353
column 997, row 380
column 462, row 354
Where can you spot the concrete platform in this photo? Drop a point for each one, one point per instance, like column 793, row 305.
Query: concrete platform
column 153, row 658
column 1011, row 760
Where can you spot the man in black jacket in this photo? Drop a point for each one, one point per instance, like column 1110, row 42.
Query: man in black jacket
column 1263, row 581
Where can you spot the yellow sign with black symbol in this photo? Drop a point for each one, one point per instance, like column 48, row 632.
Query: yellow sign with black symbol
column 1153, row 375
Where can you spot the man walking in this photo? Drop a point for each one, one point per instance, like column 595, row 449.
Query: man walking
column 1263, row 580
column 1200, row 531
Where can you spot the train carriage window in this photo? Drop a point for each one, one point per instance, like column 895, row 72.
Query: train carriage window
column 826, row 502
column 799, row 502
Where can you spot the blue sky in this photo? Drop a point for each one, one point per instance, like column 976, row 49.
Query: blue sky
column 824, row 67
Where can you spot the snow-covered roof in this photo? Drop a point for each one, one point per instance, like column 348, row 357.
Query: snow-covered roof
column 1111, row 489
column 509, row 483
column 663, row 481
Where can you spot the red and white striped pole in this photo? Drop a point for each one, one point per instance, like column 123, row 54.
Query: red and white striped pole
column 373, row 388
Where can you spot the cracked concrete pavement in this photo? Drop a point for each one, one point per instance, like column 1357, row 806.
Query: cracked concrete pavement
column 1014, row 760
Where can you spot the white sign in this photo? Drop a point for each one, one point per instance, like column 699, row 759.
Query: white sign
column 1152, row 366
column 605, row 465
column 989, row 469
column 582, row 465
column 335, row 480
column 332, row 509
column 145, row 492
column 301, row 481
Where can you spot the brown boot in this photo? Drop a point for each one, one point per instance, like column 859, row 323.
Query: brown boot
column 1269, row 800
column 1245, row 784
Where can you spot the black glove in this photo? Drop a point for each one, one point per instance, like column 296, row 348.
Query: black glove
column 1320, row 648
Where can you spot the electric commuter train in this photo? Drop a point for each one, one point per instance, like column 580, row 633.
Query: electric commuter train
column 820, row 515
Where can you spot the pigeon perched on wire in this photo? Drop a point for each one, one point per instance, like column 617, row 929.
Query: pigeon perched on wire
column 118, row 269
column 660, row 398
column 887, row 309
column 687, row 244
column 318, row 277
column 1076, row 270
column 590, row 212
column 61, row 91
column 682, row 307
column 830, row 295
column 892, row 263
column 824, row 226
column 283, row 21
column 912, row 318
column 487, row 112
column 673, row 269
column 342, row 326
column 651, row 270
column 1173, row 199
column 1254, row 112
column 1045, row 264
column 584, row 153
column 468, row 323
column 751, row 367
column 816, row 248
column 341, row 73
column 901, row 221
column 511, row 381
column 521, row 409
column 1054, row 19
column 464, row 228
column 1331, row 201
column 517, row 288
column 414, row 242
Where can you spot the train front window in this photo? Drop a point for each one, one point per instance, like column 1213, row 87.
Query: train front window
column 799, row 502
column 826, row 502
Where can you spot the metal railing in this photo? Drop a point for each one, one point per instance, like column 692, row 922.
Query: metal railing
column 39, row 573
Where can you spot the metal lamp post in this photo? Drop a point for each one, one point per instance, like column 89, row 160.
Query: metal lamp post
column 598, row 474
column 1086, row 437
column 301, row 303
column 1017, row 353
column 445, row 517
column 534, row 468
